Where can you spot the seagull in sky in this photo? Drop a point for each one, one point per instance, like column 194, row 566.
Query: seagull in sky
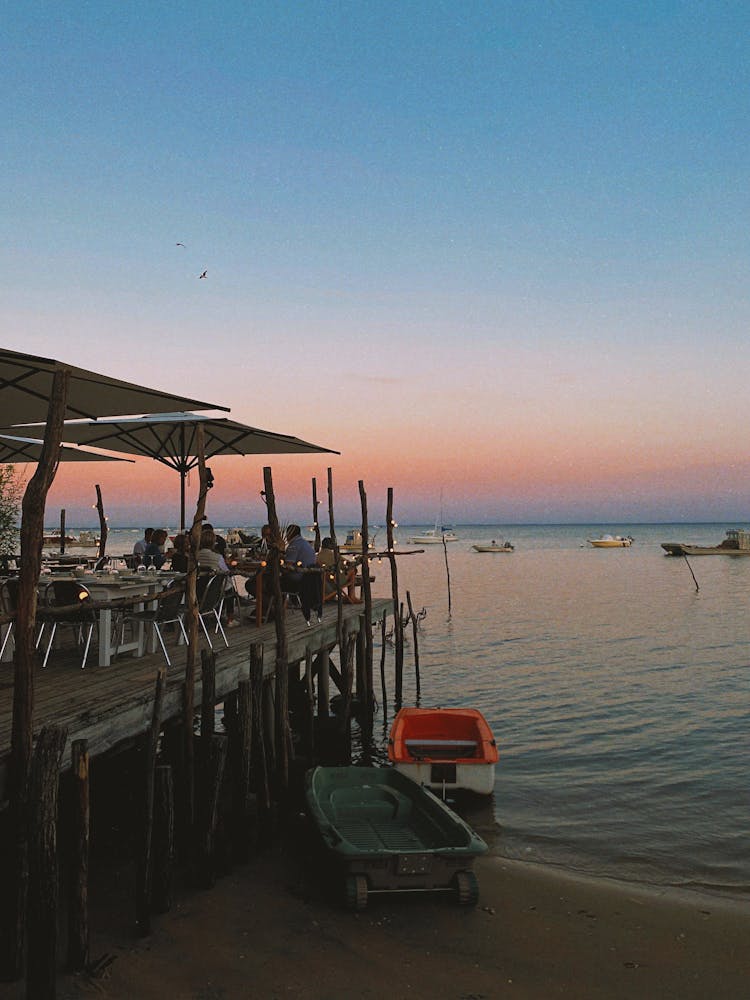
column 203, row 275
column 180, row 245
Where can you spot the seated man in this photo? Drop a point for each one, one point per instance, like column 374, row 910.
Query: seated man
column 299, row 555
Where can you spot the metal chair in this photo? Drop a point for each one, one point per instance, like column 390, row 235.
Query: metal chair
column 76, row 599
column 210, row 600
column 9, row 605
column 169, row 610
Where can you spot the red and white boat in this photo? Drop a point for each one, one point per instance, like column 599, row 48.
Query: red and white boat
column 447, row 749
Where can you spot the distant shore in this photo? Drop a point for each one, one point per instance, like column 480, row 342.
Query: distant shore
column 268, row 931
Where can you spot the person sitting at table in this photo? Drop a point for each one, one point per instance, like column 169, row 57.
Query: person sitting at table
column 179, row 554
column 300, row 555
column 154, row 551
column 211, row 561
column 139, row 548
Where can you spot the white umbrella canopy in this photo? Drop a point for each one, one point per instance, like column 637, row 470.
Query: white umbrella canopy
column 26, row 383
column 169, row 438
column 19, row 451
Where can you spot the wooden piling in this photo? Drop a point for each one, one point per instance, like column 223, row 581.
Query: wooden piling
column 163, row 849
column 383, row 689
column 103, row 529
column 324, row 683
column 415, row 639
column 62, row 532
column 208, row 693
column 259, row 743
column 242, row 773
column 78, row 888
column 398, row 631
column 282, row 740
column 211, row 772
column 366, row 627
column 315, row 505
column 15, row 862
column 310, row 706
column 143, row 887
column 41, row 967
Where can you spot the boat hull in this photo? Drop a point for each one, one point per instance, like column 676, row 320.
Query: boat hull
column 384, row 832
column 493, row 548
column 446, row 749
column 610, row 543
column 678, row 549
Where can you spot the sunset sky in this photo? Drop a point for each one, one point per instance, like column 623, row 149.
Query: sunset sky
column 498, row 250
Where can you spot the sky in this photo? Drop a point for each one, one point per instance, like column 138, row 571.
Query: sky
column 497, row 252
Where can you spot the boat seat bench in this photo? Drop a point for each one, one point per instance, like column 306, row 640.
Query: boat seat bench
column 442, row 748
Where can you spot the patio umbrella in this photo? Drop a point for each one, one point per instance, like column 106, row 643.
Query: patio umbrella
column 26, row 383
column 170, row 438
column 17, row 451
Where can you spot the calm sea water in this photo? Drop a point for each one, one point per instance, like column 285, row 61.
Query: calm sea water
column 617, row 692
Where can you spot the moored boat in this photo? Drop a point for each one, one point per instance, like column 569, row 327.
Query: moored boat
column 737, row 543
column 611, row 541
column 385, row 833
column 494, row 546
column 83, row 540
column 434, row 536
column 353, row 542
column 450, row 749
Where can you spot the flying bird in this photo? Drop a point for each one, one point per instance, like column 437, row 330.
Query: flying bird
column 180, row 245
column 203, row 275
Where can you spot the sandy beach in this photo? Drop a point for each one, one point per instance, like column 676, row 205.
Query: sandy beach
column 270, row 929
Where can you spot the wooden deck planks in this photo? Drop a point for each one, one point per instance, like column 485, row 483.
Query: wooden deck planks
column 112, row 705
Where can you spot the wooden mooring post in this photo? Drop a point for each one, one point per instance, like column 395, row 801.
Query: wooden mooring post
column 78, row 883
column 144, row 874
column 398, row 631
column 283, row 735
column 41, row 964
column 163, row 848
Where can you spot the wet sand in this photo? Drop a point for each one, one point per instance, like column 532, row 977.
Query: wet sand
column 270, row 929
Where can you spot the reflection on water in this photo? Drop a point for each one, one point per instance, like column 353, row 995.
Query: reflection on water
column 617, row 693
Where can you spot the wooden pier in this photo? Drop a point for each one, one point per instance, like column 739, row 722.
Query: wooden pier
column 112, row 706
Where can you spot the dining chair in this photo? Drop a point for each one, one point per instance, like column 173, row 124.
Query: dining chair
column 210, row 600
column 169, row 610
column 67, row 603
column 9, row 606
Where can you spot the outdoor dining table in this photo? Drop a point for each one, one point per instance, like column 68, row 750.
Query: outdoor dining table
column 106, row 590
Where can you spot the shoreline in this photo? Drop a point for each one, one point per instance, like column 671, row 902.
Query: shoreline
column 274, row 927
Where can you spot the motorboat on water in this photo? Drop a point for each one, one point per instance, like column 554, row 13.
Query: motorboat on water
column 737, row 543
column 353, row 542
column 434, row 536
column 447, row 749
column 83, row 540
column 494, row 546
column 611, row 541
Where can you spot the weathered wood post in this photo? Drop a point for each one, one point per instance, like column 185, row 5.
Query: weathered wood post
column 337, row 565
column 213, row 759
column 324, row 683
column 41, row 969
column 283, row 736
column 398, row 631
column 163, row 850
column 383, row 690
column 15, row 862
column 143, row 889
column 260, row 763
column 62, row 532
column 78, row 911
column 415, row 636
column 242, row 772
column 367, row 620
column 315, row 505
column 191, row 603
column 103, row 529
column 310, row 706
column 208, row 694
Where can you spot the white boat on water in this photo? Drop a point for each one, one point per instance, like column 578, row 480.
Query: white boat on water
column 353, row 541
column 494, row 546
column 83, row 540
column 434, row 536
column 611, row 541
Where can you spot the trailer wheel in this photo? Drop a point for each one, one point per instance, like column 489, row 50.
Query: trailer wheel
column 467, row 888
column 356, row 892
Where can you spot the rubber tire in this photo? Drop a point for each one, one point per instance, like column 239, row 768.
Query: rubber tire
column 356, row 892
column 466, row 888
